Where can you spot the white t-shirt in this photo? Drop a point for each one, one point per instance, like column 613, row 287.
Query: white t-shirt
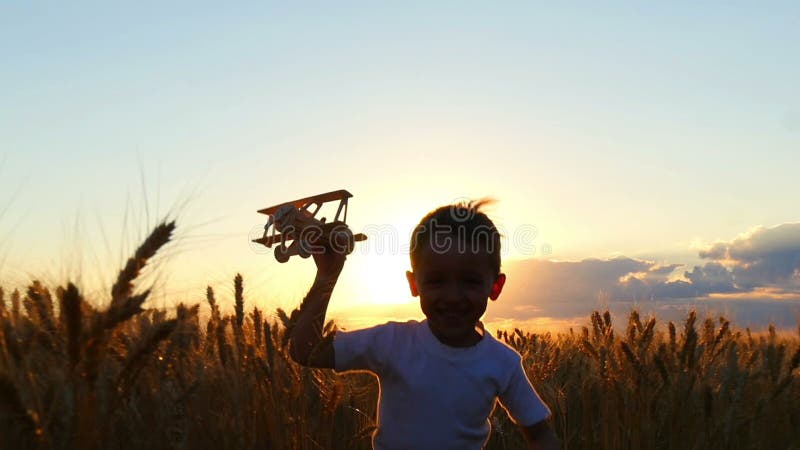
column 434, row 396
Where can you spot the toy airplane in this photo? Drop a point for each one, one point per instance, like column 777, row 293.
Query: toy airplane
column 296, row 221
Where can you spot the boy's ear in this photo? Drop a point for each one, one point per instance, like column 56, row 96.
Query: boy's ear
column 412, row 283
column 497, row 287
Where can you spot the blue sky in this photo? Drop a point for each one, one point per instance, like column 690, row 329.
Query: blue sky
column 625, row 128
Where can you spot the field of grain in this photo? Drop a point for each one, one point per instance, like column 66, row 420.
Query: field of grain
column 122, row 377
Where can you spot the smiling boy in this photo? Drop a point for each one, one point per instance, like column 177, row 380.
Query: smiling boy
column 440, row 377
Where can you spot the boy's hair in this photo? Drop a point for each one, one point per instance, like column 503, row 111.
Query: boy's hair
column 461, row 224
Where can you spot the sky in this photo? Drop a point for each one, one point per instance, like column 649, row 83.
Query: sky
column 630, row 146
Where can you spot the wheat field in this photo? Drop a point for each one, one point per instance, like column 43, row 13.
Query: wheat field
column 77, row 376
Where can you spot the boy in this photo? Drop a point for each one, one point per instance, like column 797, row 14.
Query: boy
column 439, row 378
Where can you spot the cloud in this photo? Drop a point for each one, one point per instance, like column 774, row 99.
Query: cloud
column 716, row 251
column 567, row 288
column 761, row 257
column 711, row 278
column 755, row 279
column 663, row 270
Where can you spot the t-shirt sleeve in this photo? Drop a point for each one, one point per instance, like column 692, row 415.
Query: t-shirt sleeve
column 521, row 400
column 364, row 349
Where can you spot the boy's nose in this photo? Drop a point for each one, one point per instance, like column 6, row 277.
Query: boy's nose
column 453, row 295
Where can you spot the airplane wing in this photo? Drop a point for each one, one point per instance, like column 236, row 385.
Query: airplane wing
column 274, row 239
column 321, row 198
column 269, row 241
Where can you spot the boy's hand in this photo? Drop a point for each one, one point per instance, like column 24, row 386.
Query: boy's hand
column 329, row 261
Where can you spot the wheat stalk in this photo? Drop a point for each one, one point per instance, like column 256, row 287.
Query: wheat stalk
column 12, row 407
column 123, row 286
column 239, row 300
column 72, row 317
column 136, row 360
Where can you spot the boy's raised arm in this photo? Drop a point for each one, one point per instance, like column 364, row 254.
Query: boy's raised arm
column 307, row 346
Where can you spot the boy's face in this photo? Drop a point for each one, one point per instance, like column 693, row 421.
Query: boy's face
column 454, row 287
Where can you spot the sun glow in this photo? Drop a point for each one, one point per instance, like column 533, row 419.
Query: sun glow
column 378, row 279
